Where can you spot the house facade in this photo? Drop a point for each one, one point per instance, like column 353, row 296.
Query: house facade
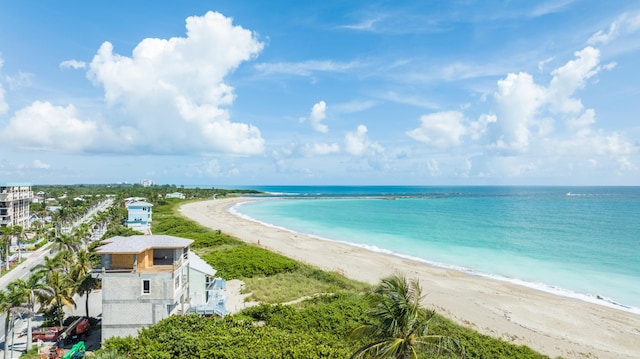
column 144, row 280
column 14, row 204
column 205, row 290
column 139, row 216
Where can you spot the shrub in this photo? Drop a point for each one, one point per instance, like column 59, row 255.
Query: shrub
column 248, row 261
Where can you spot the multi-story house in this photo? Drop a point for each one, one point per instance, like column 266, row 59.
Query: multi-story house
column 14, row 204
column 144, row 280
column 140, row 216
column 148, row 278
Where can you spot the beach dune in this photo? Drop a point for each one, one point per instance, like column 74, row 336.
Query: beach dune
column 550, row 324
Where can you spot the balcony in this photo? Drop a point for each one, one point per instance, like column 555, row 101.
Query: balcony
column 217, row 304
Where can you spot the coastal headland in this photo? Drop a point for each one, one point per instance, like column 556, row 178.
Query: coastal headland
column 551, row 324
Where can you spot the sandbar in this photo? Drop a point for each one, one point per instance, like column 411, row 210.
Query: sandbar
column 551, row 324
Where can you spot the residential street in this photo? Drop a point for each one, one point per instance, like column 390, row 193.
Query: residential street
column 23, row 270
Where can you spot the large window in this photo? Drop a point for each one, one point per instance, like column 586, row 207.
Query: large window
column 163, row 256
column 146, row 286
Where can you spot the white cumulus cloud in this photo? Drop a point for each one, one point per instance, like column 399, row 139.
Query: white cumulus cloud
column 357, row 143
column 518, row 100
column 318, row 113
column 43, row 126
column 526, row 110
column 440, row 129
column 321, row 148
column 571, row 77
column 173, row 90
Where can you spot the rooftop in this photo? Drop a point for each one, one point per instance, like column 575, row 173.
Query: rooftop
column 200, row 265
column 140, row 203
column 140, row 243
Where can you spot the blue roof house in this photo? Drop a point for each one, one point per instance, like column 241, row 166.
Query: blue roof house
column 139, row 218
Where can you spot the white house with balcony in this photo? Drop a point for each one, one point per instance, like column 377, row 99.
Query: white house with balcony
column 148, row 278
column 140, row 216
column 205, row 290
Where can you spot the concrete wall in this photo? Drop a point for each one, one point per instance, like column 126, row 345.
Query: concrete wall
column 126, row 309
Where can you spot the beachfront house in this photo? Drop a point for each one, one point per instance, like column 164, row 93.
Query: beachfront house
column 205, row 290
column 148, row 278
column 139, row 216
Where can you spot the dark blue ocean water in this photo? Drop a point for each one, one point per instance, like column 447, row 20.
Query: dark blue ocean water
column 582, row 242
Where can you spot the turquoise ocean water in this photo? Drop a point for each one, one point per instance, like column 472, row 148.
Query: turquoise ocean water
column 581, row 242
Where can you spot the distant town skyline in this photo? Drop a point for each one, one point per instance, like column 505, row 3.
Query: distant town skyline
column 266, row 93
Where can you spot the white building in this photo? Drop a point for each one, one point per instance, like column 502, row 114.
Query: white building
column 14, row 204
column 147, row 183
column 175, row 195
column 205, row 291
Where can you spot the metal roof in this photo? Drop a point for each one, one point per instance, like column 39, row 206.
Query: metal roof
column 200, row 265
column 140, row 243
column 140, row 203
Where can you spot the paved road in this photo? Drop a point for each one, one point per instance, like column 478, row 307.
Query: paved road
column 24, row 270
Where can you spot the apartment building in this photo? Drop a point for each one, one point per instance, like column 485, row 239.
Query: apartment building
column 14, row 204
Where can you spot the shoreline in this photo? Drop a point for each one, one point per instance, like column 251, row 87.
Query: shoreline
column 552, row 324
column 557, row 291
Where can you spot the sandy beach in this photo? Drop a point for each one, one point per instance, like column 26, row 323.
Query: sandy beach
column 553, row 325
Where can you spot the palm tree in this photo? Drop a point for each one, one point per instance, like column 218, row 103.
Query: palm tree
column 62, row 291
column 38, row 229
column 82, row 265
column 64, row 241
column 401, row 328
column 83, row 233
column 66, row 260
column 85, row 287
column 18, row 233
column 81, row 275
column 50, row 265
column 11, row 303
column 28, row 290
column 5, row 240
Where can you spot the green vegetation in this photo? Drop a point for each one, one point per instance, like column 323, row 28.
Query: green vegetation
column 248, row 262
column 328, row 306
column 400, row 326
column 318, row 327
column 304, row 281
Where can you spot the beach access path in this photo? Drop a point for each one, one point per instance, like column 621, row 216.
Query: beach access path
column 550, row 324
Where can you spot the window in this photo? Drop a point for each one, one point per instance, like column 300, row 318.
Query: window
column 146, row 286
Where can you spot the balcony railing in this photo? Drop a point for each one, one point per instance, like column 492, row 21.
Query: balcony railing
column 217, row 304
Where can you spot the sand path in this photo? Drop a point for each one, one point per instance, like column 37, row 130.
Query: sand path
column 553, row 325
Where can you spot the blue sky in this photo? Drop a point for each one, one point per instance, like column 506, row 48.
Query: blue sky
column 333, row 92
